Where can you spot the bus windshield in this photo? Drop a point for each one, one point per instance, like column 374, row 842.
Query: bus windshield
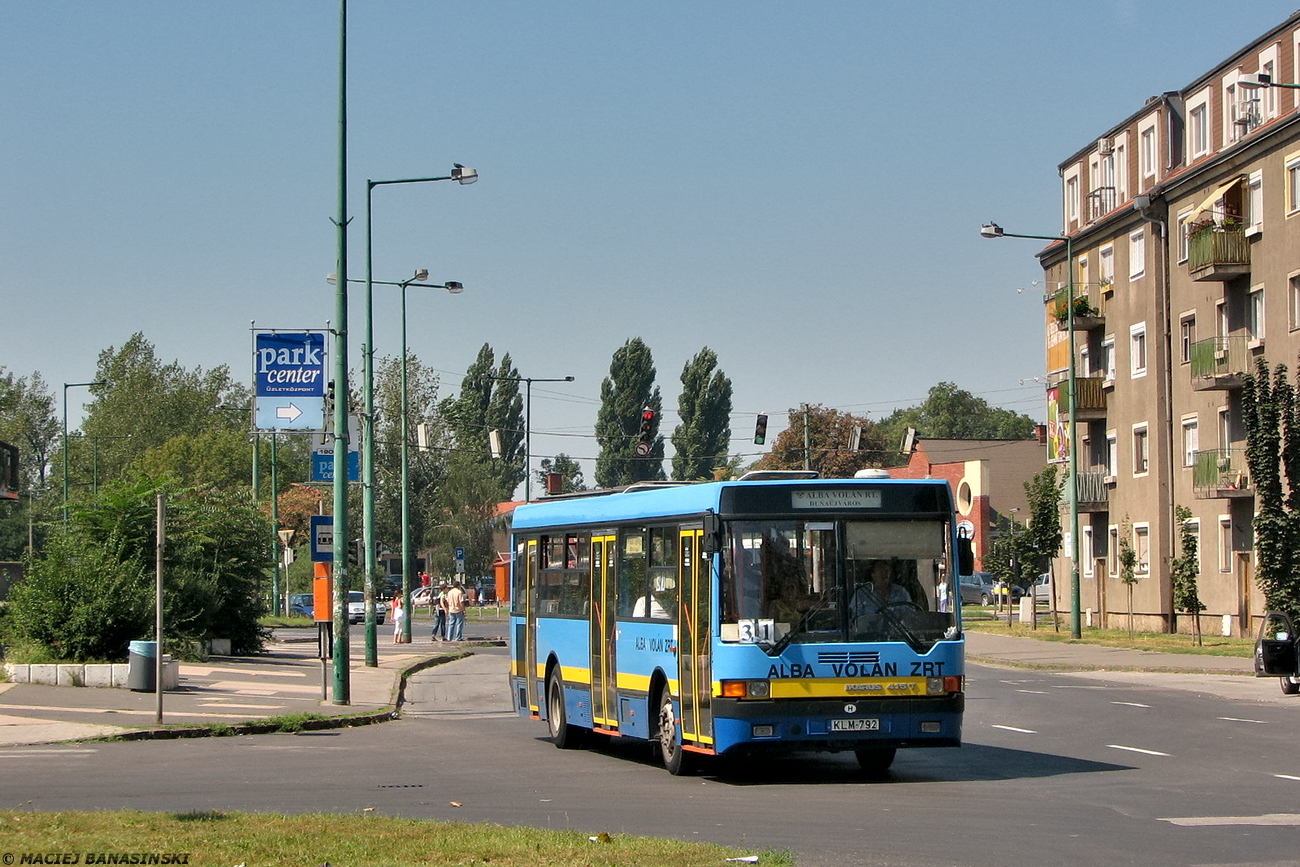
column 789, row 581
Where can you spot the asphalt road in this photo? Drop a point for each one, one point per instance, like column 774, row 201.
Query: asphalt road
column 1080, row 769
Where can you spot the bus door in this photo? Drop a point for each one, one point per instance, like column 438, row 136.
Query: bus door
column 528, row 646
column 693, row 677
column 604, row 684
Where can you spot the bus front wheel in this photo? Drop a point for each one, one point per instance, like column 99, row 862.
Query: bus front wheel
column 670, row 750
column 563, row 735
column 875, row 762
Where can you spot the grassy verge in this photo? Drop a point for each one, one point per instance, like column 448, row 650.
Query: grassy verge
column 211, row 838
column 981, row 619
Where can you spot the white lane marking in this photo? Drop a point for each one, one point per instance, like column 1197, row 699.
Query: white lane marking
column 8, row 754
column 1239, row 719
column 1033, row 691
column 1014, row 729
column 1136, row 750
column 1286, row 777
column 1266, row 819
column 1131, row 703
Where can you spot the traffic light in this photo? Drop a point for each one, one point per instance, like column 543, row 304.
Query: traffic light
column 647, row 425
column 760, row 430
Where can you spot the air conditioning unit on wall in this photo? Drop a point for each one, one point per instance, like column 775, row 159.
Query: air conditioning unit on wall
column 1105, row 146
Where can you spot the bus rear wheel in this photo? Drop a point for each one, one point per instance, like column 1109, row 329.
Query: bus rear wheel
column 875, row 762
column 675, row 758
column 563, row 735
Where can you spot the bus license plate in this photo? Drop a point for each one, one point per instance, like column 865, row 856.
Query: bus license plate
column 870, row 724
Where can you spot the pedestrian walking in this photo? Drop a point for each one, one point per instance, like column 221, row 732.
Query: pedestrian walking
column 455, row 601
column 439, row 603
column 399, row 615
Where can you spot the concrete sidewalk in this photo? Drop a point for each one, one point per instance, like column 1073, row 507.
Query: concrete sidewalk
column 234, row 691
column 287, row 679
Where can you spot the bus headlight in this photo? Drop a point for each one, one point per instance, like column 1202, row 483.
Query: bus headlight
column 746, row 689
column 942, row 685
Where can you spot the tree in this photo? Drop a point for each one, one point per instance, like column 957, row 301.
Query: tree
column 950, row 412
column 628, row 390
column 1127, row 566
column 92, row 590
column 1185, row 569
column 489, row 400
column 703, row 435
column 1268, row 408
column 426, row 468
column 143, row 403
column 569, row 471
column 28, row 421
column 830, row 433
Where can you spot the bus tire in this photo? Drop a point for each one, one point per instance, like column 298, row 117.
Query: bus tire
column 875, row 762
column 675, row 758
column 563, row 735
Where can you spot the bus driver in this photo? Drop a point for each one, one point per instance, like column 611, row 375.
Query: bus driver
column 878, row 593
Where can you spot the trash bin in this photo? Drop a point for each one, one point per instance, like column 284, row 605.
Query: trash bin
column 141, row 675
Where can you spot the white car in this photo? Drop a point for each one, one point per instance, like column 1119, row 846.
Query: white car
column 357, row 608
column 1041, row 588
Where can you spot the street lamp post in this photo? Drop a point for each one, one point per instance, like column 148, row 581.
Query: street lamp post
column 528, row 428
column 464, row 176
column 66, row 386
column 455, row 289
column 993, row 230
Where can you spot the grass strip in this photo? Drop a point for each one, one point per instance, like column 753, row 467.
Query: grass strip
column 215, row 839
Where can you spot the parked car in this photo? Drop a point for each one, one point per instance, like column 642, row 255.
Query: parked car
column 1041, row 588
column 302, row 605
column 977, row 589
column 357, row 608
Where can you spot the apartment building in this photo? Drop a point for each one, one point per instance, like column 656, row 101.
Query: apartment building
column 1184, row 238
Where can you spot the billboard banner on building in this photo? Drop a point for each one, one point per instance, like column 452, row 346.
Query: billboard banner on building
column 1058, row 438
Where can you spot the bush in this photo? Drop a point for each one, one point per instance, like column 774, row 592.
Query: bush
column 83, row 602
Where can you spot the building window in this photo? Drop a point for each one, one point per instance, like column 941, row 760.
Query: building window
column 1225, row 429
column 1112, row 551
column 1198, row 130
column 1142, row 547
column 1255, row 317
column 1184, row 236
column 1106, row 266
column 1072, row 197
column 1106, row 361
column 1085, row 368
column 1225, row 544
column 1112, row 454
column 1194, row 526
column 1255, row 203
column 1087, row 554
column 1138, row 350
column 1147, row 156
column 1293, row 185
column 1186, row 337
column 1137, row 254
column 1268, row 66
column 1141, row 454
column 1293, row 302
column 1191, row 441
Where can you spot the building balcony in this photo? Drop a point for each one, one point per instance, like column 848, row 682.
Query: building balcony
column 1220, row 474
column 1093, row 491
column 1089, row 313
column 1218, row 253
column 1219, row 363
column 1091, row 399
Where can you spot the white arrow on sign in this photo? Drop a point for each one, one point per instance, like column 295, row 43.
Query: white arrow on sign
column 290, row 412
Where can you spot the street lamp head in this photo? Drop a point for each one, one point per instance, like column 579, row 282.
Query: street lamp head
column 331, row 278
column 568, row 379
column 453, row 287
column 463, row 174
column 421, row 274
column 991, row 230
column 1255, row 79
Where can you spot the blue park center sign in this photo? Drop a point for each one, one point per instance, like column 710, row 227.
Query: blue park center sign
column 289, row 372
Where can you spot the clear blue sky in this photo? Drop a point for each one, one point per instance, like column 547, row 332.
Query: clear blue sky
column 798, row 186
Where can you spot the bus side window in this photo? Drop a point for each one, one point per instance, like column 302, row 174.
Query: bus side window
column 631, row 571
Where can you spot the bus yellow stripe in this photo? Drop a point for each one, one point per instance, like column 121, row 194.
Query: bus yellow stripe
column 845, row 687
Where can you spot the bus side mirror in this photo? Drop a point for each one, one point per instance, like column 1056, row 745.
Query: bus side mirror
column 712, row 542
column 965, row 555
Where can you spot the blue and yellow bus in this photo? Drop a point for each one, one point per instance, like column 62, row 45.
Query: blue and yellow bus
column 780, row 612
